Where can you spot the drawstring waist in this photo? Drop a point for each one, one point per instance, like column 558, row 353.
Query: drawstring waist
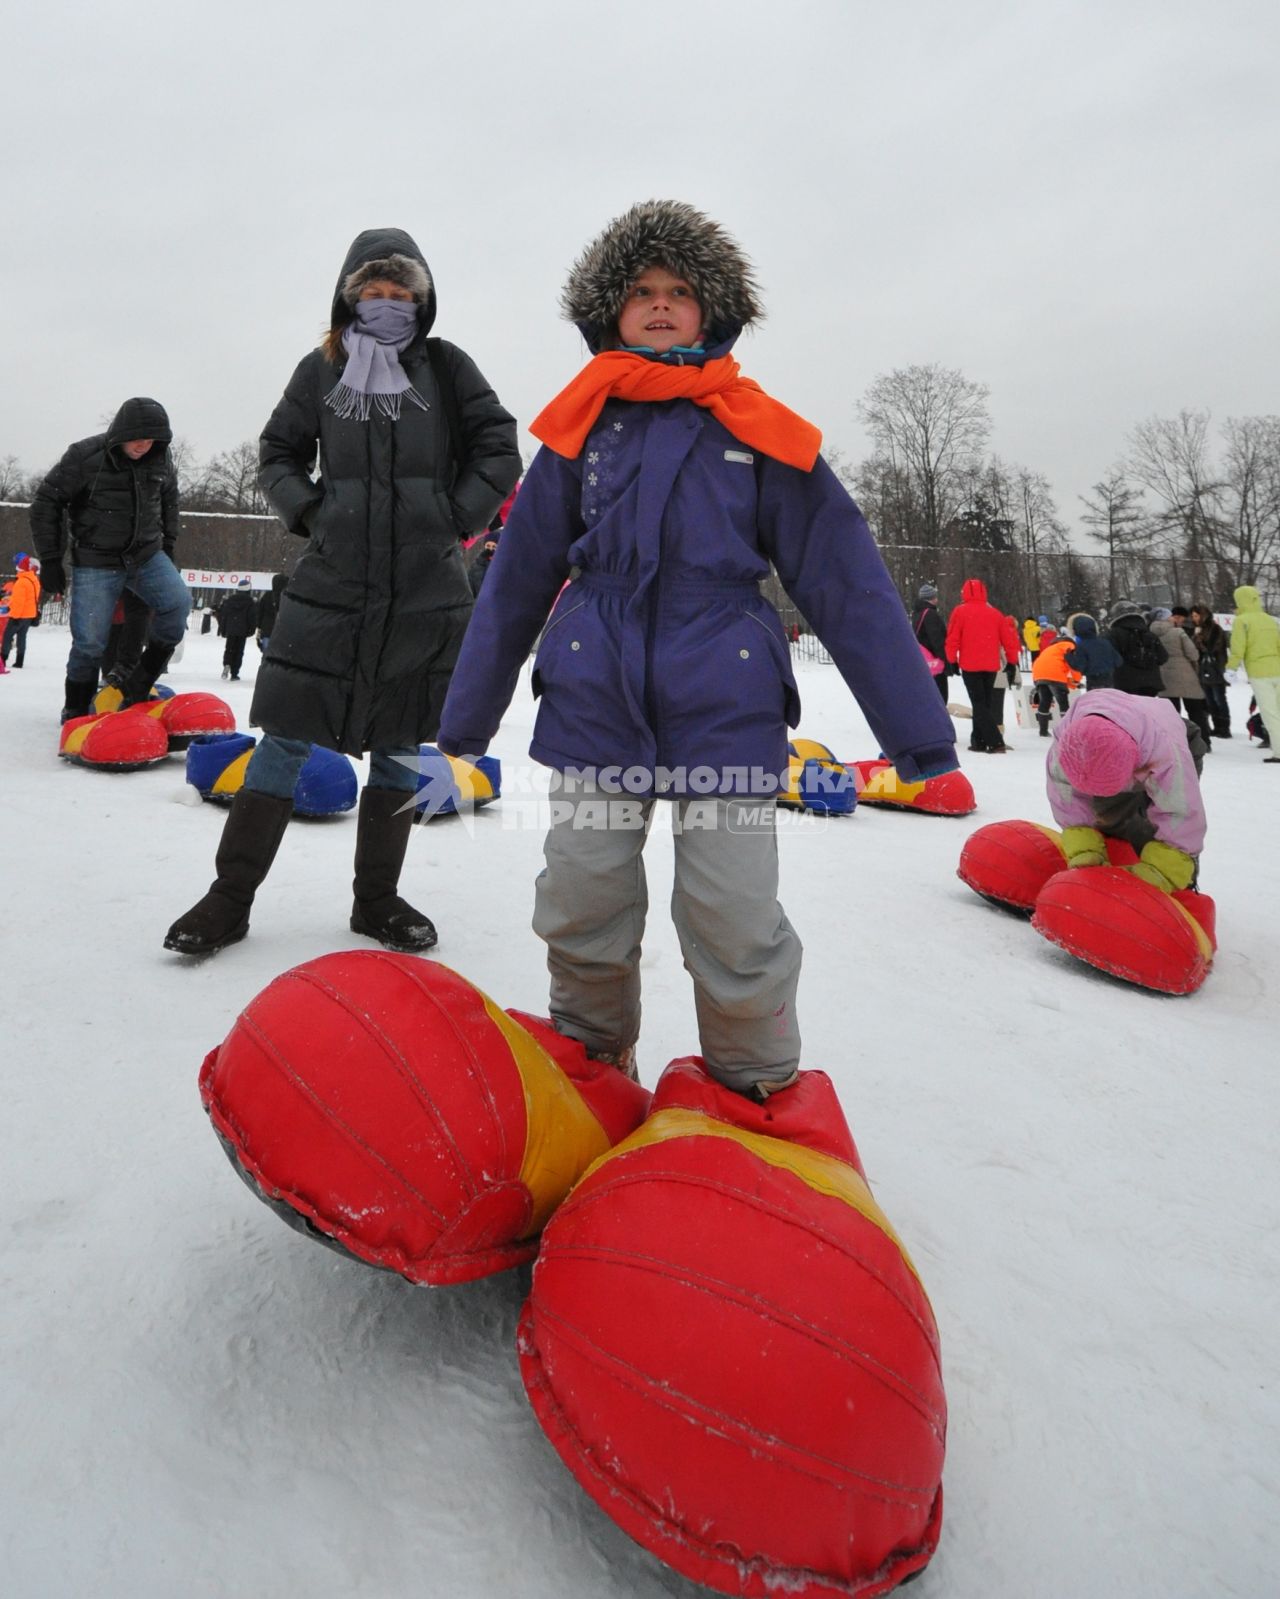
column 692, row 588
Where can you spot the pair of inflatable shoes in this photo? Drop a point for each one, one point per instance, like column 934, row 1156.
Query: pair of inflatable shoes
column 143, row 734
column 1104, row 915
column 818, row 782
column 725, row 1341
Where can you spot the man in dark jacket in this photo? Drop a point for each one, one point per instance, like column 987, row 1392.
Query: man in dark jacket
column 116, row 496
column 237, row 618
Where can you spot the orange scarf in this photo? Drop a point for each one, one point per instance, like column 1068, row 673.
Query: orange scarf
column 740, row 405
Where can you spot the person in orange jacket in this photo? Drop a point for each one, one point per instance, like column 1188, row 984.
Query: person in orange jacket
column 977, row 633
column 23, row 603
column 1053, row 680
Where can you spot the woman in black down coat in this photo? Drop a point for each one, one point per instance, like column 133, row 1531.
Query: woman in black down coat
column 414, row 453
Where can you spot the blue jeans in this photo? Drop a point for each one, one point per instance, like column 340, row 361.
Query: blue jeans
column 15, row 638
column 274, row 767
column 95, row 592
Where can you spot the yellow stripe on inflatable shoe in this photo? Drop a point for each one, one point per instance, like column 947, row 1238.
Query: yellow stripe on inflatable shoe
column 808, row 749
column 230, row 780
column 474, row 788
column 1202, row 938
column 886, row 784
column 76, row 738
column 563, row 1136
column 108, row 698
column 823, row 1173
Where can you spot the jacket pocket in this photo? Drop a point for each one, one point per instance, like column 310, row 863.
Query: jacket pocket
column 782, row 658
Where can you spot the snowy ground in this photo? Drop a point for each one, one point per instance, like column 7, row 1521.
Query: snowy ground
column 196, row 1401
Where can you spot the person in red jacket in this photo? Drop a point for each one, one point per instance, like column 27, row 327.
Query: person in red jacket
column 976, row 634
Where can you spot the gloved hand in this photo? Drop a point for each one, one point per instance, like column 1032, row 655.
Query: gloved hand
column 1084, row 846
column 53, row 578
column 1011, row 674
column 1164, row 867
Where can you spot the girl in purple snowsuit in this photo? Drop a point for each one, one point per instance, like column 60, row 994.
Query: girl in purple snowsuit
column 666, row 487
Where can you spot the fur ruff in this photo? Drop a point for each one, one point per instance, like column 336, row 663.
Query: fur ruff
column 675, row 235
column 399, row 269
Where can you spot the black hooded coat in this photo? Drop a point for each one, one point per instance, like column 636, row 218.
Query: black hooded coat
column 368, row 630
column 120, row 512
column 1141, row 655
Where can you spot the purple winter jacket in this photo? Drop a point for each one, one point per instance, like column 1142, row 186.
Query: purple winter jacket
column 1166, row 771
column 662, row 657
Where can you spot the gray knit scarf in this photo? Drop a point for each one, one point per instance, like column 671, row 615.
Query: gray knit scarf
column 373, row 377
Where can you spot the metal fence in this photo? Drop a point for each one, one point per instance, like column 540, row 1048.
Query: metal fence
column 1049, row 585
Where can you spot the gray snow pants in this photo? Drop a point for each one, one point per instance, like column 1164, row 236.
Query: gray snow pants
column 738, row 946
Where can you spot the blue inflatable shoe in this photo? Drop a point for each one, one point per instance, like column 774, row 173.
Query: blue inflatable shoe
column 326, row 786
column 816, row 781
column 448, row 784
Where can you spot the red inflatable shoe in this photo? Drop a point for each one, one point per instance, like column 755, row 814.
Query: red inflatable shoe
column 729, row 1348
column 1126, row 927
column 383, row 1104
column 1009, row 863
column 878, row 782
column 114, row 741
column 188, row 716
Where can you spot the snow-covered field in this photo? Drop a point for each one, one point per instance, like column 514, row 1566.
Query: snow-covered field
column 195, row 1401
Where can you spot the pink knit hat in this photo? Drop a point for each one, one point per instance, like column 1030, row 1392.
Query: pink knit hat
column 1096, row 756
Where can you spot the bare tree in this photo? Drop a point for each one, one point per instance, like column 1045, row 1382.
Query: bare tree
column 929, row 424
column 232, row 479
column 889, row 502
column 13, row 480
column 1115, row 516
column 1250, row 500
column 1170, row 457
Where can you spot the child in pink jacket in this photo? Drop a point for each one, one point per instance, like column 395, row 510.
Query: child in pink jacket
column 1120, row 767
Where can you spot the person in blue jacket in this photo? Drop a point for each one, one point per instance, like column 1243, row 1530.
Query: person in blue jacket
column 1094, row 656
column 666, row 486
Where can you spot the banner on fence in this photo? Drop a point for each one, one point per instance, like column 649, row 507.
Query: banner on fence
column 198, row 578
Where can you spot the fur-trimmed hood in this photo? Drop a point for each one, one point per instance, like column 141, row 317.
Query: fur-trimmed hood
column 384, row 253
column 674, row 235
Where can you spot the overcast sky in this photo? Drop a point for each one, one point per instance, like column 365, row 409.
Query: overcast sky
column 1076, row 204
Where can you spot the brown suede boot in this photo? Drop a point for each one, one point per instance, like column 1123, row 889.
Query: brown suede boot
column 382, row 836
column 249, row 843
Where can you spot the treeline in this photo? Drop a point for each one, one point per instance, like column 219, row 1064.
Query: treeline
column 1179, row 508
column 1182, row 510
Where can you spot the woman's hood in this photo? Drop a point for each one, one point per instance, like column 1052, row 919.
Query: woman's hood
column 974, row 590
column 377, row 244
column 1248, row 599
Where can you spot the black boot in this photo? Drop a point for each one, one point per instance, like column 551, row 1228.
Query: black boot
column 77, row 698
column 142, row 678
column 249, row 843
column 382, row 836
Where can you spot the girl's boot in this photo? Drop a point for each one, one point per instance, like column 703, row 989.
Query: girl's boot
column 249, row 843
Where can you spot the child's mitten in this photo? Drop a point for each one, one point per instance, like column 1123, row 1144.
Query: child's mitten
column 1084, row 846
column 1164, row 867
